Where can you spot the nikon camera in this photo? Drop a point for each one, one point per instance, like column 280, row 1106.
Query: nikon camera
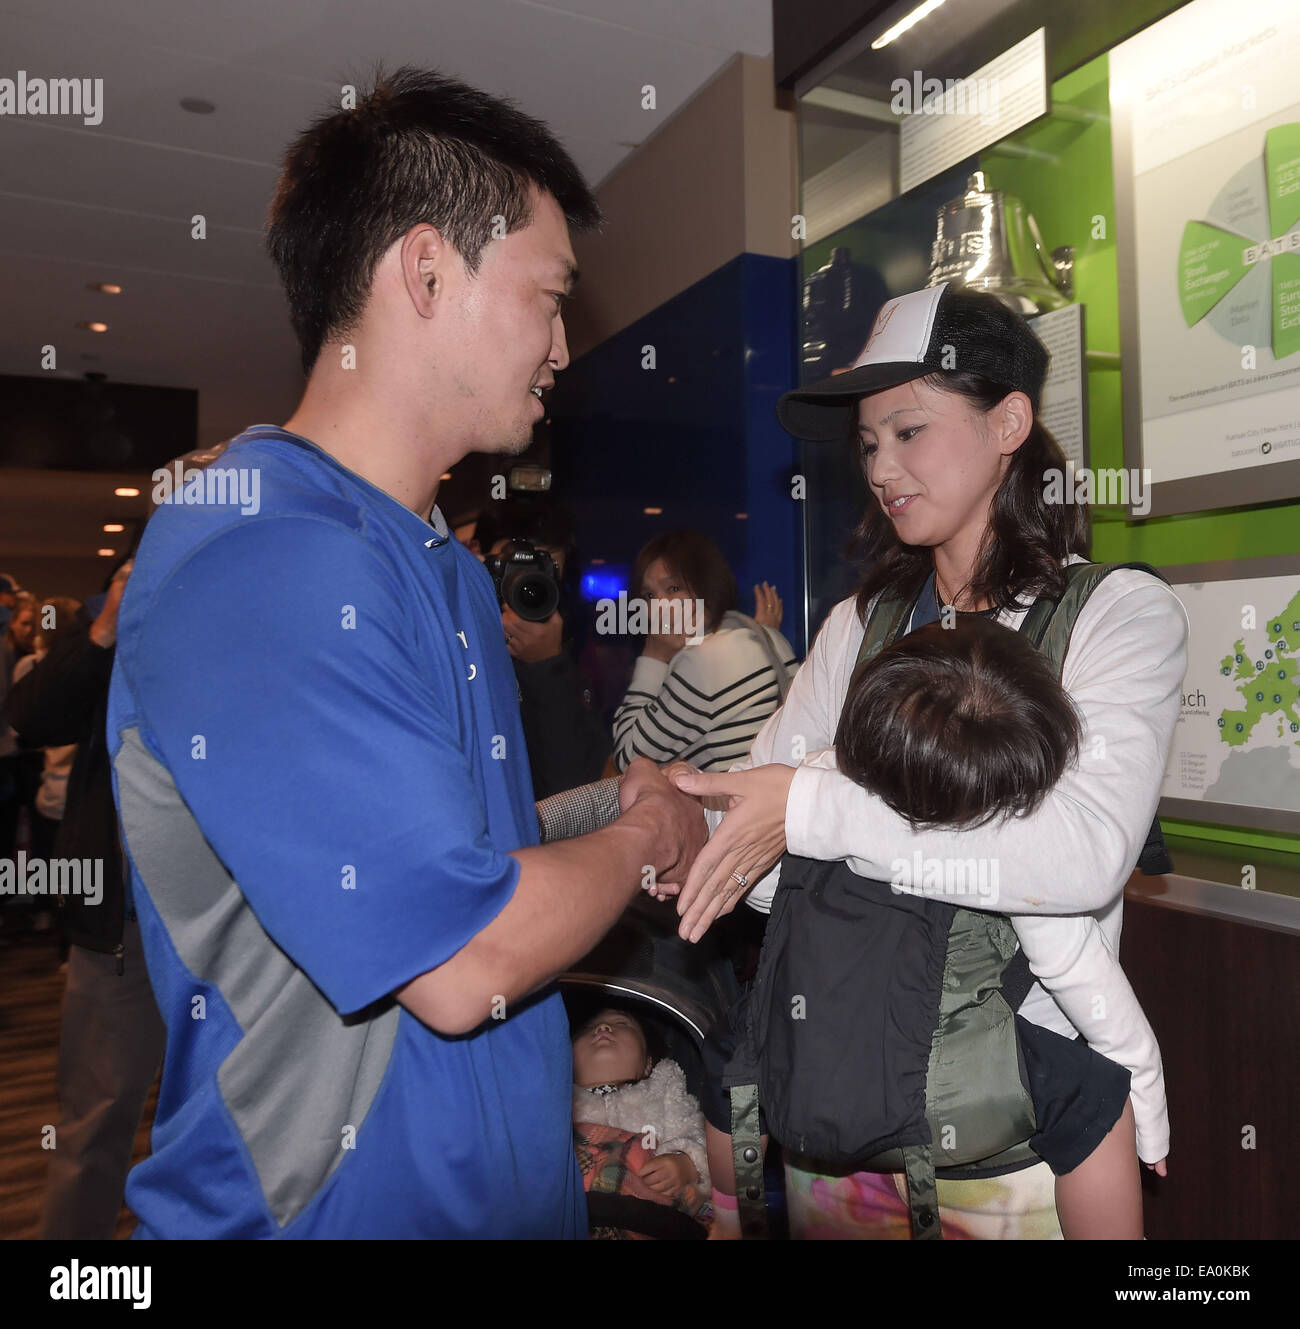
column 526, row 579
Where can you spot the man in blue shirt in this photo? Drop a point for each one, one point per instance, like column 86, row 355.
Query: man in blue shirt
column 318, row 761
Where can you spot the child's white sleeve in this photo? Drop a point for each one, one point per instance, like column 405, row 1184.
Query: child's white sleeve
column 1069, row 955
column 682, row 1123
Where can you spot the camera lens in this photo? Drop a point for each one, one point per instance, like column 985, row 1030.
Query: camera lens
column 531, row 594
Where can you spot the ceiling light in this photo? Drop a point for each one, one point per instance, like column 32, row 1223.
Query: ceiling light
column 113, row 528
column 107, row 553
column 93, row 327
column 903, row 24
column 106, row 287
column 596, row 562
column 742, row 516
column 653, row 512
column 446, row 475
column 127, row 493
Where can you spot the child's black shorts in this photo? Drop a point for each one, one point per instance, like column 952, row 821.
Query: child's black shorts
column 1077, row 1093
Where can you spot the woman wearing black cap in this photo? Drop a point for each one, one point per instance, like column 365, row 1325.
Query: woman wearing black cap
column 941, row 405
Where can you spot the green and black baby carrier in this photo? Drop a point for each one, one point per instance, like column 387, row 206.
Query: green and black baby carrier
column 880, row 1027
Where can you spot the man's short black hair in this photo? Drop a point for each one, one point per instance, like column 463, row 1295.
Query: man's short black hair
column 953, row 727
column 419, row 148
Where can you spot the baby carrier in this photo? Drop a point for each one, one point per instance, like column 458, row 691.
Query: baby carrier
column 880, row 1030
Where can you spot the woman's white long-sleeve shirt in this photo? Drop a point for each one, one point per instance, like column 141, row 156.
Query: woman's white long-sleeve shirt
column 1062, row 869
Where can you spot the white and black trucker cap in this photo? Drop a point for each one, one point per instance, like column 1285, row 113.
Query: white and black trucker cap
column 925, row 332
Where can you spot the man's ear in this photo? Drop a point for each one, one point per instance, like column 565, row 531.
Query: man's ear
column 422, row 255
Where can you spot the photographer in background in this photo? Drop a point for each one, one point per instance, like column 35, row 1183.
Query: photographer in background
column 568, row 744
column 111, row 1037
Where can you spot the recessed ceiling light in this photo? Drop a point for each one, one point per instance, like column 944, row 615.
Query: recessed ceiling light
column 93, row 327
column 197, row 105
column 126, row 493
column 742, row 516
column 107, row 287
column 446, row 475
column 113, row 528
column 653, row 512
column 596, row 562
column 107, row 553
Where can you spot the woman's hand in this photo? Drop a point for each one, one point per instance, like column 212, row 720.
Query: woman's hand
column 749, row 842
column 663, row 646
column 768, row 609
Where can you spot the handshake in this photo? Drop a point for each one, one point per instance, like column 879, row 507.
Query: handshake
column 709, row 875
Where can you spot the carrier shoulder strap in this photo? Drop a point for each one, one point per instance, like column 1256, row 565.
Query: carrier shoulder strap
column 887, row 622
column 1049, row 624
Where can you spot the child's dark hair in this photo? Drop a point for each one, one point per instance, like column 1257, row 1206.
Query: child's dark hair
column 956, row 726
column 418, row 147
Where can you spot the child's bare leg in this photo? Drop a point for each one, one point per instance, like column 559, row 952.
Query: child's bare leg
column 722, row 1164
column 722, row 1173
column 1102, row 1198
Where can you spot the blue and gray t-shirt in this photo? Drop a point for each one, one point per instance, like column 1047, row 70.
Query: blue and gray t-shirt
column 320, row 770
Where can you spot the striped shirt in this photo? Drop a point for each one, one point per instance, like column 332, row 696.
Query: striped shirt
column 706, row 706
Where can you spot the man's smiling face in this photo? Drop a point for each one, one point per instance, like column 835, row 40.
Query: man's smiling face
column 504, row 341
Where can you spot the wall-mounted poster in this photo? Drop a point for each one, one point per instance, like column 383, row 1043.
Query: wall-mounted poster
column 1064, row 409
column 1236, row 750
column 1205, row 112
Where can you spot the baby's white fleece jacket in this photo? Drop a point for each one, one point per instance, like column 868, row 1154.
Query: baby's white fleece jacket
column 661, row 1103
column 1063, row 867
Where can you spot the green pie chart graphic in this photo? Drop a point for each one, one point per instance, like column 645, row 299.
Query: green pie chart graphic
column 1212, row 259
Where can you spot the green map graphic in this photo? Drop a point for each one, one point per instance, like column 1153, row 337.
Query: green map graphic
column 1212, row 259
column 1268, row 680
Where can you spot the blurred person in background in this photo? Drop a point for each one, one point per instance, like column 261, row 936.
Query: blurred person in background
column 20, row 772
column 22, row 625
column 54, row 615
column 111, row 1038
column 9, row 761
column 701, row 702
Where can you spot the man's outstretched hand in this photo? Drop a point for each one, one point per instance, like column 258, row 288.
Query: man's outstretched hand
column 678, row 821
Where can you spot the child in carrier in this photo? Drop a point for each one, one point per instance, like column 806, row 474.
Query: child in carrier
column 953, row 727
column 618, row 1084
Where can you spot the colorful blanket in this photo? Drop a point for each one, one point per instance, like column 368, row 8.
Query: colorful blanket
column 612, row 1160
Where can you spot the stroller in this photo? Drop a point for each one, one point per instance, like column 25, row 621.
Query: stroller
column 678, row 991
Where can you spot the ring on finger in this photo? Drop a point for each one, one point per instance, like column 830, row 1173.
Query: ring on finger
column 740, row 879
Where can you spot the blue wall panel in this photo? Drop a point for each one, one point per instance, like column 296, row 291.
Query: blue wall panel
column 696, row 435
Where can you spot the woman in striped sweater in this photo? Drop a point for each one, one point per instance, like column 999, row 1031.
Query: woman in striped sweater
column 701, row 699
